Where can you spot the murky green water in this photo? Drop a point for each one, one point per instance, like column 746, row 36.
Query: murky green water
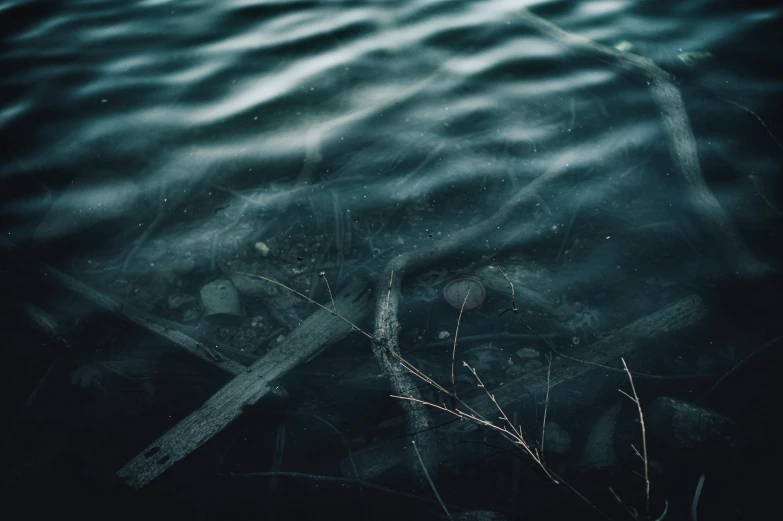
column 614, row 194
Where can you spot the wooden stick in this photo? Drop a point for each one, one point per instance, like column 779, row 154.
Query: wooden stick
column 321, row 329
column 385, row 347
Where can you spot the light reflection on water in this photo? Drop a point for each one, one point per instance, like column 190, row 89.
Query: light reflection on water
column 151, row 146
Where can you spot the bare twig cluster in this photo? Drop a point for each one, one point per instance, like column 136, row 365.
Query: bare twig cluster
column 643, row 455
column 507, row 427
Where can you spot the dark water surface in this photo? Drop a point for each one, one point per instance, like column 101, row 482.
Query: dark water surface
column 153, row 149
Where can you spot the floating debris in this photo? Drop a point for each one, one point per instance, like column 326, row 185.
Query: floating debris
column 262, row 248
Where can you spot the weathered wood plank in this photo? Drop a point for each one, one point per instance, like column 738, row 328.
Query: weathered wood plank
column 128, row 312
column 666, row 321
column 318, row 331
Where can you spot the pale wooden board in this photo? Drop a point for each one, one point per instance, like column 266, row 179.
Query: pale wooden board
column 315, row 333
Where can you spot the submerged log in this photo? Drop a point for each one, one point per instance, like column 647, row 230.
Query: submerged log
column 320, row 330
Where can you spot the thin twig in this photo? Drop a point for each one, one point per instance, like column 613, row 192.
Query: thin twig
column 493, row 337
column 561, row 251
column 631, row 511
column 546, row 401
column 346, row 444
column 643, row 456
column 456, row 333
column 743, row 362
column 516, row 433
column 635, row 373
column 561, row 481
column 665, row 510
column 513, row 301
column 407, row 365
column 121, row 374
column 333, row 479
column 323, row 275
column 311, row 301
column 696, row 496
column 320, row 262
column 746, row 109
column 40, row 383
column 432, row 485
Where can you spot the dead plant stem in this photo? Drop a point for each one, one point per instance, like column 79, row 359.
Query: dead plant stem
column 456, row 334
column 643, row 456
column 432, row 484
column 546, row 401
column 323, row 275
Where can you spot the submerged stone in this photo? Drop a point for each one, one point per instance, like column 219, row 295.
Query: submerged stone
column 456, row 291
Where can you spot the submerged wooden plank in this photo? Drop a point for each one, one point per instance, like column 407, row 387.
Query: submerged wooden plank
column 126, row 311
column 315, row 333
column 666, row 321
